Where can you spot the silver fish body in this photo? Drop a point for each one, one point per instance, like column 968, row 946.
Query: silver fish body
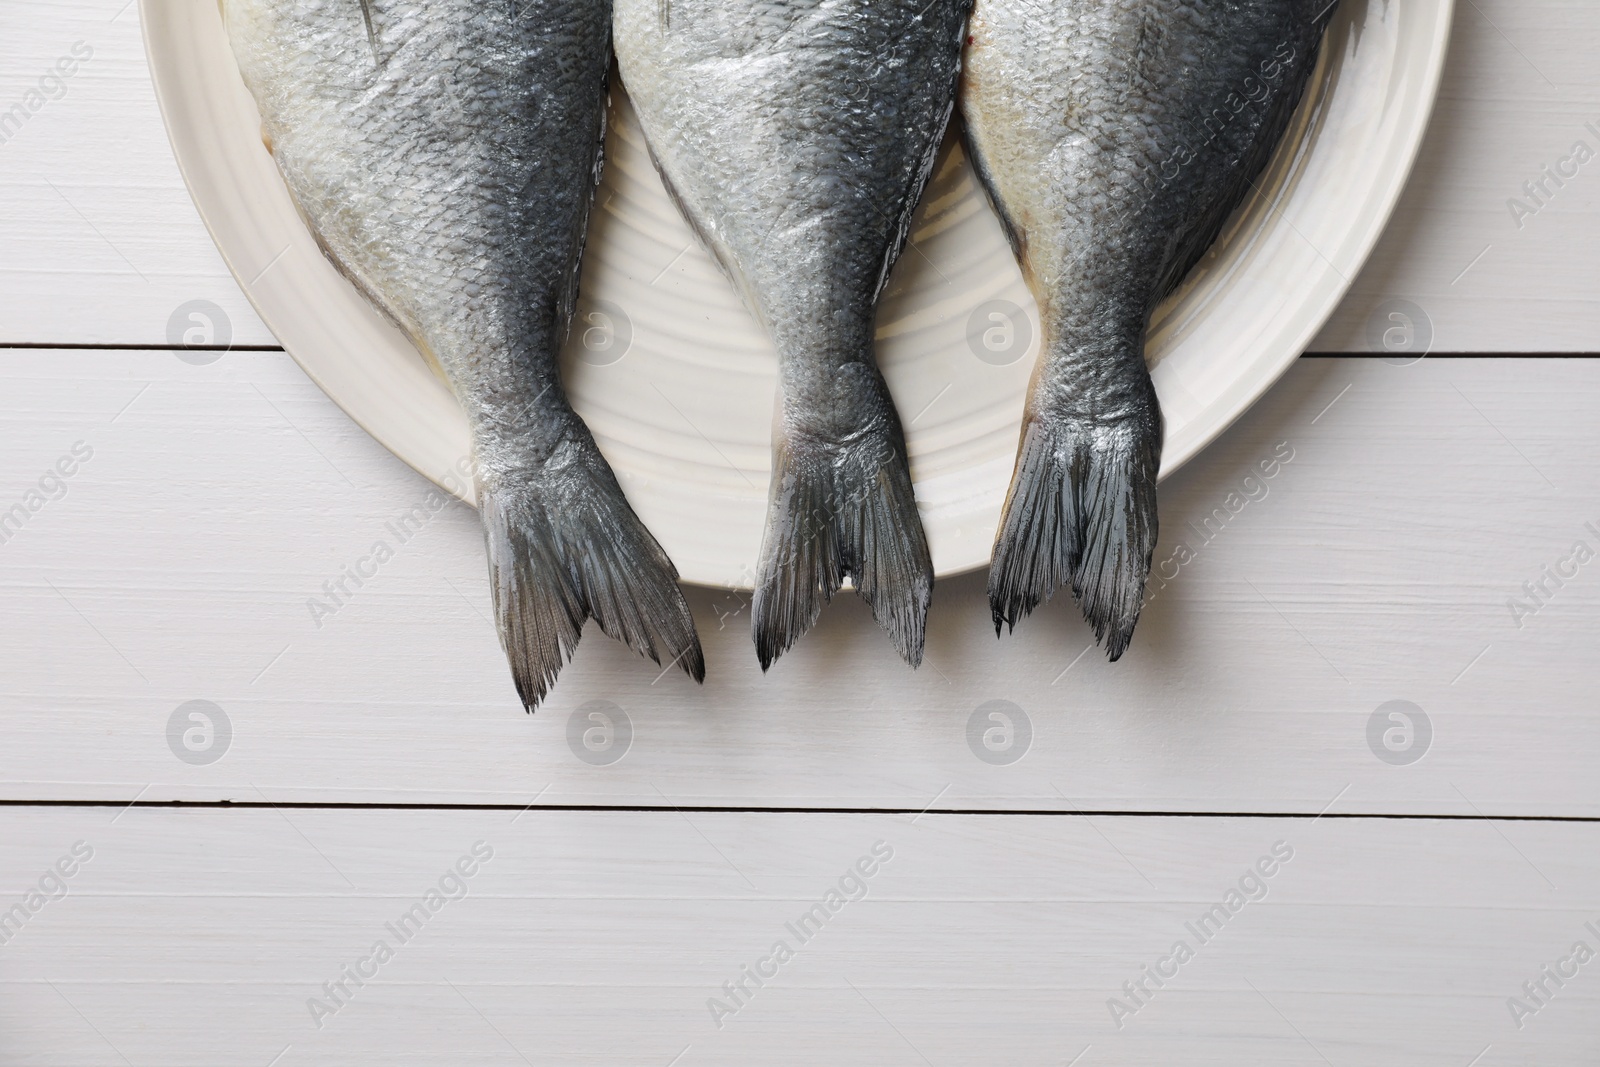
column 797, row 136
column 1114, row 138
column 445, row 153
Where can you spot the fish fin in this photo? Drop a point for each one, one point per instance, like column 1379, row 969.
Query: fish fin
column 1263, row 136
column 910, row 198
column 704, row 235
column 840, row 509
column 558, row 559
column 1081, row 510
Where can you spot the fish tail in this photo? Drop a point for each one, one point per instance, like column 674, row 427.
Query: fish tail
column 1081, row 510
column 560, row 556
column 842, row 508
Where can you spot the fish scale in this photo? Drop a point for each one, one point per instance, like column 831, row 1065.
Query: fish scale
column 1114, row 138
column 796, row 137
column 445, row 155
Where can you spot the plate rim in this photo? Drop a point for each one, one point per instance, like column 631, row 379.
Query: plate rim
column 1248, row 388
column 1388, row 203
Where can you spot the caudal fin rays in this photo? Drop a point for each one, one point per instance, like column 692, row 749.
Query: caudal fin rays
column 1081, row 512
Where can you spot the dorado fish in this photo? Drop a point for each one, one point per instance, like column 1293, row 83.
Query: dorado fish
column 1114, row 138
column 445, row 154
column 796, row 137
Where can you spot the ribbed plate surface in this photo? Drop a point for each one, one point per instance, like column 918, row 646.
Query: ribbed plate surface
column 676, row 380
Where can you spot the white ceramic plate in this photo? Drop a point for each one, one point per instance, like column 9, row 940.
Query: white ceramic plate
column 677, row 382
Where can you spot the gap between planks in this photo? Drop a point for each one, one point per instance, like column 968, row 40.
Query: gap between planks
column 735, row 809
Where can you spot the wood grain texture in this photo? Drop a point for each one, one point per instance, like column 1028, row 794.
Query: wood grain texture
column 1516, row 97
column 199, row 937
column 1407, row 508
column 117, row 231
column 99, row 241
column 1380, row 563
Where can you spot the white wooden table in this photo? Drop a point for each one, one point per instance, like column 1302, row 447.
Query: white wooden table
column 228, row 890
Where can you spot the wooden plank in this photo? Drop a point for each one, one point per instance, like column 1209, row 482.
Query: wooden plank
column 1515, row 99
column 99, row 242
column 204, row 937
column 1405, row 509
column 117, row 231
